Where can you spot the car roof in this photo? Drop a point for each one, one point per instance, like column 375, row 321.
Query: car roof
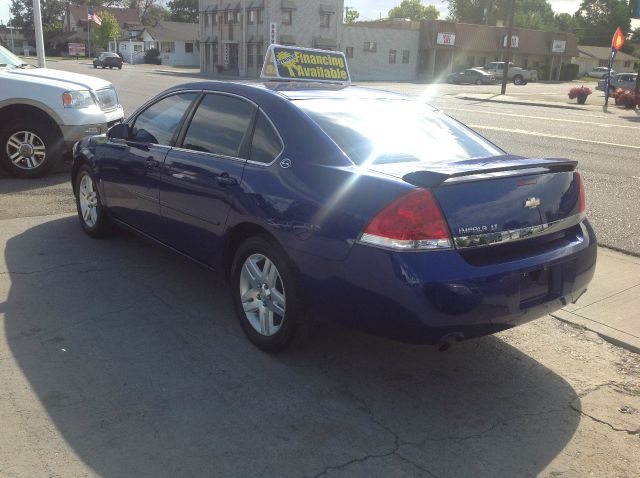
column 293, row 90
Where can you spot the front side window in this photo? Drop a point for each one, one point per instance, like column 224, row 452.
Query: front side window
column 188, row 47
column 389, row 131
column 219, row 126
column 160, row 121
column 266, row 144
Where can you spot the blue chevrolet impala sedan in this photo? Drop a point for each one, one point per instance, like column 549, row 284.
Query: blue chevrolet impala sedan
column 343, row 203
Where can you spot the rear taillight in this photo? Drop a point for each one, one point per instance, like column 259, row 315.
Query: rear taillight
column 411, row 222
column 583, row 200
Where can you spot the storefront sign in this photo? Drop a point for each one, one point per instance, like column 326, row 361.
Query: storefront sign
column 76, row 49
column 305, row 64
column 559, row 46
column 515, row 41
column 273, row 33
column 446, row 39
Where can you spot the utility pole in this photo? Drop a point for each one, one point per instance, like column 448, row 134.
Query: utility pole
column 37, row 20
column 243, row 60
column 11, row 32
column 505, row 70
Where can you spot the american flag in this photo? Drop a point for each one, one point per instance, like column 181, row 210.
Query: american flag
column 92, row 17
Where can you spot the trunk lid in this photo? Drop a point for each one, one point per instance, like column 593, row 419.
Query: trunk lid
column 500, row 199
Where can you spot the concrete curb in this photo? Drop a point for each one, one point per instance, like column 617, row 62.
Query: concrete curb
column 514, row 101
column 611, row 335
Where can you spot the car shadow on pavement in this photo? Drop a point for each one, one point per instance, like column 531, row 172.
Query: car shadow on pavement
column 142, row 369
column 9, row 184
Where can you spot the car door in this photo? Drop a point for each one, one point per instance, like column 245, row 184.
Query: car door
column 130, row 169
column 201, row 177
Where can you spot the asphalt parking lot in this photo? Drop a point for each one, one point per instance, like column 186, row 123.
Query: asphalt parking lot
column 119, row 359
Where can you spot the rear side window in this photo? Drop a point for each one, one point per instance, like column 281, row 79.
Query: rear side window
column 219, row 125
column 266, row 144
column 159, row 122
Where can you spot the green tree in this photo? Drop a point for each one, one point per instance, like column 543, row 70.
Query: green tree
column 154, row 14
column 351, row 16
column 183, row 11
column 565, row 22
column 599, row 19
column 52, row 12
column 536, row 14
column 414, row 10
column 107, row 30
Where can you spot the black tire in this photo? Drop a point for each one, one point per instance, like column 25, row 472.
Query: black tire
column 95, row 66
column 111, row 67
column 103, row 226
column 478, row 82
column 518, row 80
column 103, row 67
column 292, row 324
column 47, row 135
column 120, row 67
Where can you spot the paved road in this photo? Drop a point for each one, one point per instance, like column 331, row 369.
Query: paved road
column 607, row 145
column 118, row 358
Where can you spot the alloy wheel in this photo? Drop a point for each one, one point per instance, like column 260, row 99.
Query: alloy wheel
column 26, row 150
column 262, row 294
column 88, row 199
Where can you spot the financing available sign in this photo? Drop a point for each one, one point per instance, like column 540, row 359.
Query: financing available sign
column 446, row 39
column 305, row 64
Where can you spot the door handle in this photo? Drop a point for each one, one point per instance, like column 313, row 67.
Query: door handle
column 225, row 180
column 151, row 163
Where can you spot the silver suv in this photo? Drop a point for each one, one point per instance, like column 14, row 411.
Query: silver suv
column 43, row 112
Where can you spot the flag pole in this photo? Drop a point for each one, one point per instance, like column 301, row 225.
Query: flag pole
column 89, row 36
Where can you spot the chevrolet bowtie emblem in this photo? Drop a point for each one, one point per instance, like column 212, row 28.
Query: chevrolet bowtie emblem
column 532, row 203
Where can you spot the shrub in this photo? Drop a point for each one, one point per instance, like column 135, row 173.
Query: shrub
column 579, row 91
column 627, row 98
column 569, row 72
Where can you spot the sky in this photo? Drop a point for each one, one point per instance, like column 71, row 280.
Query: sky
column 371, row 9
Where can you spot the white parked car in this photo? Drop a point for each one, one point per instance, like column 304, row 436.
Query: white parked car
column 600, row 72
column 43, row 112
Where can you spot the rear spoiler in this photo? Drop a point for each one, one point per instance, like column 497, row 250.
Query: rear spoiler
column 473, row 170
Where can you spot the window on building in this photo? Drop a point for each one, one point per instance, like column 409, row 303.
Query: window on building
column 325, row 20
column 214, row 19
column 603, row 63
column 251, row 17
column 250, row 52
column 392, row 56
column 627, row 64
column 236, row 17
column 167, row 47
column 405, row 57
column 370, row 46
column 137, row 47
column 188, row 47
column 123, row 46
column 287, row 17
column 214, row 53
column 349, row 52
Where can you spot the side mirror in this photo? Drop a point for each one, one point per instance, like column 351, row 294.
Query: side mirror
column 119, row 131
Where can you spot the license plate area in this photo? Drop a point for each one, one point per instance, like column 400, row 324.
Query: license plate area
column 537, row 286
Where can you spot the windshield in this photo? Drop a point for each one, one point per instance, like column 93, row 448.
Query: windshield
column 9, row 60
column 394, row 130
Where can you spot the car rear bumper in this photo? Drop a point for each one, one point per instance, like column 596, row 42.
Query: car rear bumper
column 429, row 297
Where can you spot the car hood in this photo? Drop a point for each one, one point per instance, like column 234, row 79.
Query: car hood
column 61, row 79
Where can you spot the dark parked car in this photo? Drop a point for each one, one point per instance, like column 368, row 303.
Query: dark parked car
column 355, row 205
column 472, row 76
column 108, row 59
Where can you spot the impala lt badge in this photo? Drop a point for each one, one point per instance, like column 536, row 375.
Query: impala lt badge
column 532, row 203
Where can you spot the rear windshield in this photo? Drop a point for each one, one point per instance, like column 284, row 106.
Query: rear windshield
column 394, row 130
